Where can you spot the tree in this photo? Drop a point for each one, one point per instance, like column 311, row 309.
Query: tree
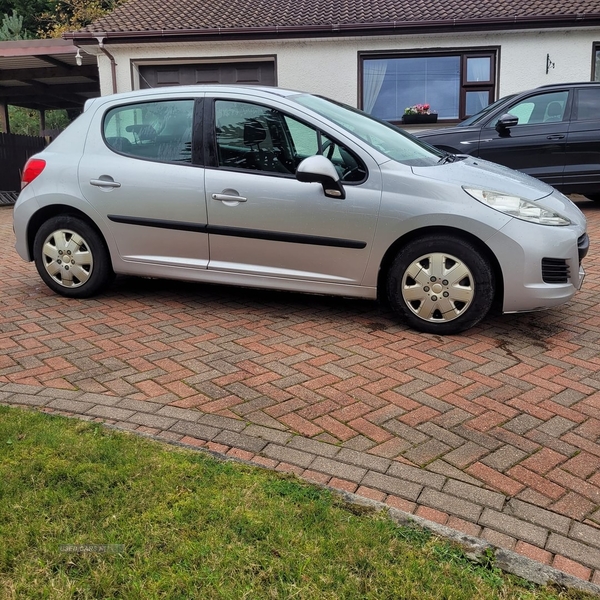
column 11, row 28
column 51, row 18
column 70, row 15
column 26, row 121
column 28, row 10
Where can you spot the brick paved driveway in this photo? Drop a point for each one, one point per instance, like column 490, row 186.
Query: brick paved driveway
column 494, row 433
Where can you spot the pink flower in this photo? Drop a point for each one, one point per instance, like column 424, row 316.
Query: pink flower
column 418, row 109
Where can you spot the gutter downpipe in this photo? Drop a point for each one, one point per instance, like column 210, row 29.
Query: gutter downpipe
column 113, row 64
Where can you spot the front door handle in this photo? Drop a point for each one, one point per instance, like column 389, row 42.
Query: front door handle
column 557, row 136
column 229, row 196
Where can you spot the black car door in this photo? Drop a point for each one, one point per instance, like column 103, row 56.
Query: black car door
column 537, row 144
column 582, row 170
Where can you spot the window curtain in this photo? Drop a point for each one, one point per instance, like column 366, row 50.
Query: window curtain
column 478, row 69
column 373, row 75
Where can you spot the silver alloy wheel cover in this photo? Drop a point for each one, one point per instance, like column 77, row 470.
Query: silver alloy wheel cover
column 67, row 258
column 438, row 287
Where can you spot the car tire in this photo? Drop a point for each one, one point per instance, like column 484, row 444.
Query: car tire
column 87, row 270
column 441, row 284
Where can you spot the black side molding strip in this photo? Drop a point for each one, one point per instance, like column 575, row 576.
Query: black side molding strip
column 160, row 223
column 294, row 238
column 257, row 234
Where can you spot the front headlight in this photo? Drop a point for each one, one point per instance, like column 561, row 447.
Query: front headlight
column 517, row 207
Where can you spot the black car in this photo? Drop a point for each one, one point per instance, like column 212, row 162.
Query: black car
column 551, row 132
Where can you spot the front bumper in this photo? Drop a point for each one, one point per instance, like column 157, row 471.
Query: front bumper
column 523, row 251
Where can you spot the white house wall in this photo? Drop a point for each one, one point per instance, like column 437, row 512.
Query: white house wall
column 330, row 66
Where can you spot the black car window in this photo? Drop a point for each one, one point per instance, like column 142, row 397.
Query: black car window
column 587, row 104
column 158, row 131
column 541, row 108
column 306, row 142
column 258, row 138
column 251, row 137
column 484, row 112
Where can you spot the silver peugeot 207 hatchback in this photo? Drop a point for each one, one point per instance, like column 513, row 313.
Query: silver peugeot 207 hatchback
column 278, row 189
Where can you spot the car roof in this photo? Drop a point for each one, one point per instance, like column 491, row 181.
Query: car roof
column 572, row 84
column 191, row 89
column 559, row 86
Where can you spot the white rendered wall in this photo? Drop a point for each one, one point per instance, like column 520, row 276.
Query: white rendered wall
column 330, row 66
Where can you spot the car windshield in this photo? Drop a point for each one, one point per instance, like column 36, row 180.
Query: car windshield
column 484, row 112
column 387, row 139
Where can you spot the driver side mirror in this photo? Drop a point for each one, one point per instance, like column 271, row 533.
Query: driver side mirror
column 506, row 121
column 318, row 169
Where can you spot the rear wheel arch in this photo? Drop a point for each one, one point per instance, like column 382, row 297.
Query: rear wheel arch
column 55, row 210
column 71, row 256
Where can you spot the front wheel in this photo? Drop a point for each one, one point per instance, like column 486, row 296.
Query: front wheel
column 71, row 257
column 441, row 284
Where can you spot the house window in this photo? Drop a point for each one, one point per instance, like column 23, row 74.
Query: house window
column 455, row 84
column 596, row 63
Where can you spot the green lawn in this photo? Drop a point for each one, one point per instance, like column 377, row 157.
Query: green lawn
column 87, row 512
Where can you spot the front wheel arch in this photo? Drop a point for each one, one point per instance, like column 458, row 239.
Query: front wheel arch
column 393, row 250
column 481, row 247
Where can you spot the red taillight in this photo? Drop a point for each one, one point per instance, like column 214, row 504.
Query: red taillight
column 33, row 168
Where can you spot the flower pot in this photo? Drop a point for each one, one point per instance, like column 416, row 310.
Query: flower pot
column 416, row 119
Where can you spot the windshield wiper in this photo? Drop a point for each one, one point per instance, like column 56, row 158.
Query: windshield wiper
column 447, row 158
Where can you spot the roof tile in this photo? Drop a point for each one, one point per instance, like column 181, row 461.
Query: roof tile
column 186, row 15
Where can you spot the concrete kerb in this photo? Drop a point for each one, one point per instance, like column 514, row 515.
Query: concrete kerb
column 476, row 548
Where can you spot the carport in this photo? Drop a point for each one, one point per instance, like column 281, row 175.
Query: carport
column 39, row 75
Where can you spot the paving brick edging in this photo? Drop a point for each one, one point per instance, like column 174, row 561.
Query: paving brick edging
column 549, row 546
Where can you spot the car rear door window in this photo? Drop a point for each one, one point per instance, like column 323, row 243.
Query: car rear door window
column 583, row 157
column 587, row 104
column 157, row 131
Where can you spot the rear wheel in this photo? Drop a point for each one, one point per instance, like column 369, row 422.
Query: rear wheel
column 71, row 257
column 441, row 284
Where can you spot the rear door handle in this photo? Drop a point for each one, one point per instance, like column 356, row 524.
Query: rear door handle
column 557, row 136
column 105, row 183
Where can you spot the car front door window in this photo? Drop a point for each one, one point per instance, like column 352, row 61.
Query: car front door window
column 251, row 137
column 257, row 138
column 542, row 108
column 537, row 144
